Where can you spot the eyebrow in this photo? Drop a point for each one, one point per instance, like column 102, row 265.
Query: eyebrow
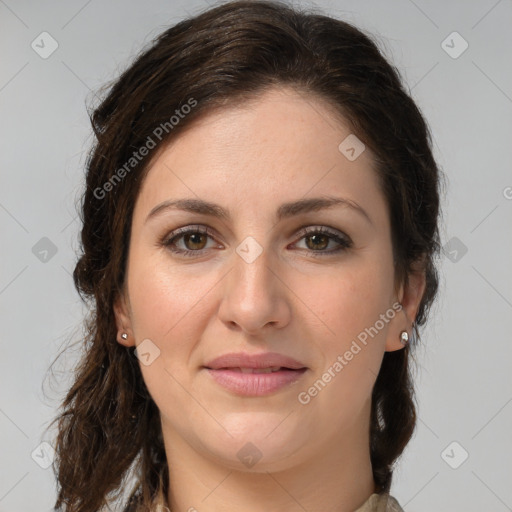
column 286, row 210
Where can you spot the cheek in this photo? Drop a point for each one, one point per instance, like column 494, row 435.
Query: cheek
column 166, row 303
column 349, row 305
column 351, row 299
column 168, row 308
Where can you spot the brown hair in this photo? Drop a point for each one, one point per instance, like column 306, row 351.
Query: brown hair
column 109, row 426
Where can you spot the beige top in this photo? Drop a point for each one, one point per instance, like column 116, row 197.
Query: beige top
column 380, row 503
column 375, row 503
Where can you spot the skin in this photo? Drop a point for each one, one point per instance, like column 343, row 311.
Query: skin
column 250, row 159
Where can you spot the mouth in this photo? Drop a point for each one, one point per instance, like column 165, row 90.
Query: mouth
column 259, row 374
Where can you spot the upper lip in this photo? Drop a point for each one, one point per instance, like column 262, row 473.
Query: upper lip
column 263, row 360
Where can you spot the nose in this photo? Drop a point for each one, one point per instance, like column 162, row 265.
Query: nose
column 255, row 296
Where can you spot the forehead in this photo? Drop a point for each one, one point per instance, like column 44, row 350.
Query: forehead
column 282, row 145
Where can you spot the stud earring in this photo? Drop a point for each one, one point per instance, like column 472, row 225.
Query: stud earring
column 124, row 336
column 404, row 338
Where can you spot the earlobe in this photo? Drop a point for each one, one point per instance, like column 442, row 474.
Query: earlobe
column 123, row 323
column 409, row 297
column 397, row 339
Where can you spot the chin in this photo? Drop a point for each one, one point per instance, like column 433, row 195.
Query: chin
column 256, row 450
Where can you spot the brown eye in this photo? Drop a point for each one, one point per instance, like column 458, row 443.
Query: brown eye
column 195, row 241
column 318, row 241
column 192, row 241
column 188, row 241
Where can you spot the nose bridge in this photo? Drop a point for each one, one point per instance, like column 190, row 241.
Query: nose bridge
column 253, row 296
column 252, row 276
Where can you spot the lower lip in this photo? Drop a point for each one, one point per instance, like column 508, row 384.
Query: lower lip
column 255, row 384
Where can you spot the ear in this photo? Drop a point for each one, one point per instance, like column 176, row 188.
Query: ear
column 409, row 296
column 123, row 321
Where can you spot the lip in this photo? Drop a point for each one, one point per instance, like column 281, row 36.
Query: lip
column 245, row 360
column 225, row 370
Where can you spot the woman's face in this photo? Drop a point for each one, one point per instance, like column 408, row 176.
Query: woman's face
column 256, row 282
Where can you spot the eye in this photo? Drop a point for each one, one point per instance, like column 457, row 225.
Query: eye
column 317, row 239
column 195, row 239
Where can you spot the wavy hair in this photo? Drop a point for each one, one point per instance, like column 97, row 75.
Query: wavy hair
column 108, row 425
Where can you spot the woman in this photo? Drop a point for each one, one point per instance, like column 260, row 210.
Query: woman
column 260, row 225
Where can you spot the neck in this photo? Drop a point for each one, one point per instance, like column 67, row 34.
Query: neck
column 336, row 479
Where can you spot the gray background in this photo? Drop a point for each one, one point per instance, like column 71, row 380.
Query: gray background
column 464, row 381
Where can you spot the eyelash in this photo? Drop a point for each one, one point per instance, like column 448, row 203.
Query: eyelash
column 343, row 240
